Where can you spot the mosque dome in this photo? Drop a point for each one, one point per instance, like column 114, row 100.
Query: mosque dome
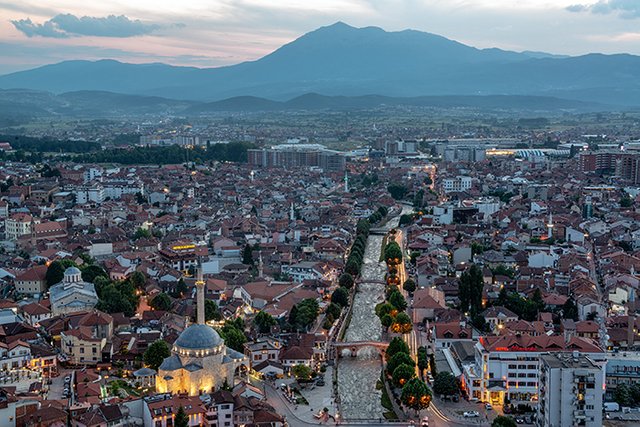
column 199, row 337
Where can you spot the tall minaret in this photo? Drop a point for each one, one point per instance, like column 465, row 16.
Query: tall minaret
column 200, row 295
column 550, row 226
column 260, row 265
column 346, row 182
column 292, row 213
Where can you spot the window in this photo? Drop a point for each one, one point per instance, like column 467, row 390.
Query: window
column 81, row 349
column 225, row 406
column 513, row 366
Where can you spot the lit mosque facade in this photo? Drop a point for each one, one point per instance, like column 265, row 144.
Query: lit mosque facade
column 199, row 362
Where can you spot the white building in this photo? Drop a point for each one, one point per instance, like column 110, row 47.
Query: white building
column 457, row 184
column 571, row 391
column 507, row 366
column 72, row 294
column 88, row 193
column 18, row 225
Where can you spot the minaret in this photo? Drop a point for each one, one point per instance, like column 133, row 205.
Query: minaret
column 292, row 213
column 346, row 182
column 260, row 266
column 550, row 226
column 200, row 295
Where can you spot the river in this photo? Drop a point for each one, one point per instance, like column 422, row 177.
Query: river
column 357, row 377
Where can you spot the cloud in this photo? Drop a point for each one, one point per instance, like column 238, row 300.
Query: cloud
column 628, row 9
column 68, row 25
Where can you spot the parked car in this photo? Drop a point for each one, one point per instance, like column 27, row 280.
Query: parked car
column 471, row 414
column 488, row 406
column 424, row 422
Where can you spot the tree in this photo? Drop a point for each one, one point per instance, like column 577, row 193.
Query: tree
column 345, row 280
column 570, row 310
column 397, row 360
column 393, row 253
column 180, row 290
column 141, row 233
column 623, row 395
column 471, row 285
column 304, row 313
column 181, row 419
column 352, row 267
column 445, row 383
column 55, row 273
column 341, row 297
column 156, row 353
column 397, row 300
column 247, row 255
column 264, row 322
column 233, row 335
column 397, row 191
column 211, row 311
column 161, row 302
column 138, row 279
column 402, row 324
column 112, row 300
column 405, row 219
column 432, row 365
column 301, row 372
column 386, row 320
column 396, row 345
column 415, row 394
column 409, row 286
column 502, row 421
column 402, row 374
column 90, row 272
column 423, row 361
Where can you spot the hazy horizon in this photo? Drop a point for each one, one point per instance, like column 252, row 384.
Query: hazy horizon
column 225, row 32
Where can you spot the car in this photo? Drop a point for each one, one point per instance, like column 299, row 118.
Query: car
column 424, row 422
column 520, row 420
column 320, row 383
column 488, row 406
column 471, row 414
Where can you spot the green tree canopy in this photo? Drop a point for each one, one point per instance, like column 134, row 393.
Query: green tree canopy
column 402, row 324
column 303, row 314
column 264, row 322
column 301, row 372
column 393, row 253
column 341, row 297
column 397, row 190
column 161, row 302
column 397, row 300
column 402, row 374
column 90, row 272
column 233, row 334
column 409, row 285
column 416, row 395
column 396, row 345
column 502, row 421
column 397, row 360
column 346, row 280
column 445, row 383
column 156, row 353
column 181, row 419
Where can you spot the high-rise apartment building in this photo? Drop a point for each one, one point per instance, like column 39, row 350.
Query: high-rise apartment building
column 571, row 388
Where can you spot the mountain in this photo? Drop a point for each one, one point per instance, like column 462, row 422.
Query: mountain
column 340, row 60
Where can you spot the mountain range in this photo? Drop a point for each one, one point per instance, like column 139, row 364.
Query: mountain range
column 340, row 60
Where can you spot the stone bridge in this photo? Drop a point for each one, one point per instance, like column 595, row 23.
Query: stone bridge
column 378, row 282
column 355, row 346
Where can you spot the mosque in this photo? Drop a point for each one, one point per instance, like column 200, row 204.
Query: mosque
column 199, row 362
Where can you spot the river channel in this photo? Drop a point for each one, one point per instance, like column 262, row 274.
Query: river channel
column 357, row 377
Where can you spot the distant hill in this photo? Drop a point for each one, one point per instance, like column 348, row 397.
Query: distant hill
column 314, row 101
column 25, row 103
column 28, row 104
column 347, row 61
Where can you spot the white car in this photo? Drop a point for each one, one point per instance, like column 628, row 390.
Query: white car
column 471, row 414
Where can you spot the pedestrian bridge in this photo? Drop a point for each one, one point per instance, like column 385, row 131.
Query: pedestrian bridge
column 354, row 347
column 378, row 282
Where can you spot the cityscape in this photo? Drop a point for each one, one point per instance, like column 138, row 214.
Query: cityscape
column 361, row 227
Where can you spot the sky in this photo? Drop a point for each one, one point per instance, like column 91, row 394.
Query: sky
column 212, row 33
